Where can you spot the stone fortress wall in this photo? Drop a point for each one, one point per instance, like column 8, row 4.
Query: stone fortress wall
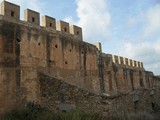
column 51, row 65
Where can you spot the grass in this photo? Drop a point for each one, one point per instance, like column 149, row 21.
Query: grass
column 29, row 114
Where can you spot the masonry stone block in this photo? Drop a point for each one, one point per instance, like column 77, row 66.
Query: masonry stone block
column 115, row 59
column 134, row 63
column 75, row 30
column 99, row 46
column 137, row 64
column 125, row 61
column 48, row 22
column 120, row 60
column 31, row 17
column 130, row 62
column 108, row 60
column 141, row 64
column 10, row 10
column 61, row 73
column 62, row 26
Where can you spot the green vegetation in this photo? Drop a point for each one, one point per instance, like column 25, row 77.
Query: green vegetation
column 36, row 112
column 29, row 114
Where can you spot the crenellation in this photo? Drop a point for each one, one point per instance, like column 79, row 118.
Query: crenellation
column 75, row 30
column 32, row 16
column 130, row 62
column 125, row 61
column 62, row 26
column 99, row 46
column 48, row 22
column 10, row 10
column 108, row 60
column 120, row 60
column 115, row 59
column 134, row 63
column 137, row 64
column 141, row 64
column 33, row 57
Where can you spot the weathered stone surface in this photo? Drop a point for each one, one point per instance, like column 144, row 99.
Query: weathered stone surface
column 57, row 70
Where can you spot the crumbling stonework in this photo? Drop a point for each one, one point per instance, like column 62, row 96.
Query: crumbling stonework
column 54, row 67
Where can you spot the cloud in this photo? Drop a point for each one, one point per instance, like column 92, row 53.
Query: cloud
column 147, row 52
column 153, row 21
column 70, row 20
column 94, row 18
column 147, row 49
column 143, row 45
column 136, row 20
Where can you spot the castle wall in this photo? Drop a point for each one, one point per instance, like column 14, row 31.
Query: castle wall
column 109, row 75
column 70, row 58
column 9, row 66
column 58, row 95
column 57, row 51
column 127, row 74
column 9, row 97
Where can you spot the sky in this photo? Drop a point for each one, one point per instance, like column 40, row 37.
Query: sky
column 129, row 28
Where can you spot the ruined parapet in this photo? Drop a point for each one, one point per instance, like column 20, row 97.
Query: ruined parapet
column 99, row 46
column 48, row 22
column 62, row 26
column 75, row 30
column 10, row 10
column 31, row 17
column 125, row 61
column 134, row 63
column 137, row 64
column 120, row 60
column 108, row 60
column 130, row 62
column 115, row 59
column 141, row 64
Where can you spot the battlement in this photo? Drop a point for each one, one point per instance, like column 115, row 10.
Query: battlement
column 39, row 60
column 31, row 17
column 99, row 46
column 48, row 22
column 125, row 61
column 12, row 11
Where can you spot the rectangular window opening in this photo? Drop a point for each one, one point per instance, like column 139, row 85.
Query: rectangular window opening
column 65, row 29
column 12, row 13
column 33, row 19
column 77, row 32
column 50, row 24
